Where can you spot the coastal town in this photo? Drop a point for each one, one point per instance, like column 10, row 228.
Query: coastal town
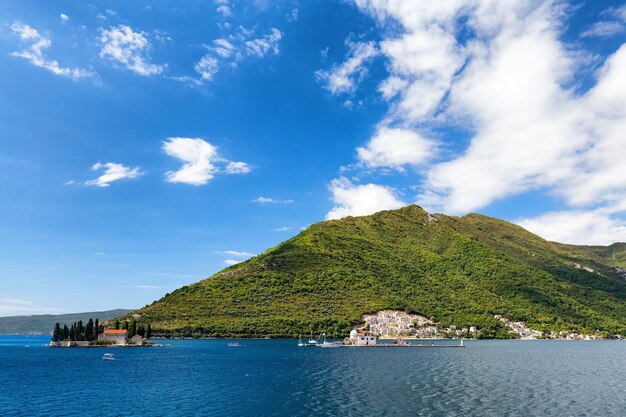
column 389, row 324
column 519, row 328
column 526, row 333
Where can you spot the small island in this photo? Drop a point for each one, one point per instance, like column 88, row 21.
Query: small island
column 94, row 333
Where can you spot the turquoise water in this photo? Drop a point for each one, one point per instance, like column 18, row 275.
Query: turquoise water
column 276, row 378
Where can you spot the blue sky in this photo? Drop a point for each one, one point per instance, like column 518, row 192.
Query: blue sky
column 147, row 145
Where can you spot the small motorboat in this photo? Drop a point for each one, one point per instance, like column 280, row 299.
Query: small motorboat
column 108, row 357
column 233, row 344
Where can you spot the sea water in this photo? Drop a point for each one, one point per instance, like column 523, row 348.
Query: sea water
column 278, row 378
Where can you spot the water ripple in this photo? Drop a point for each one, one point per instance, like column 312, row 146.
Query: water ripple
column 276, row 378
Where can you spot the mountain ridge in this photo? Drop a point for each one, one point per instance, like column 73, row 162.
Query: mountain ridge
column 44, row 323
column 457, row 270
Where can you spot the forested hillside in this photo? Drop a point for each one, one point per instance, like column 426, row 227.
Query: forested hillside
column 459, row 271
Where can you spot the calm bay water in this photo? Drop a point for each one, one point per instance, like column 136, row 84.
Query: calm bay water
column 276, row 378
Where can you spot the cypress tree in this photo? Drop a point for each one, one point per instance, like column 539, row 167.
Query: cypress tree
column 73, row 332
column 117, row 324
column 80, row 331
column 125, row 326
column 56, row 333
column 89, row 330
column 133, row 328
column 66, row 332
column 96, row 329
column 149, row 332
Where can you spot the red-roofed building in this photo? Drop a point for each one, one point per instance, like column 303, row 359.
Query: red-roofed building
column 120, row 337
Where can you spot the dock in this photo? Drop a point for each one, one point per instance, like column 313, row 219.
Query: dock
column 368, row 339
column 389, row 345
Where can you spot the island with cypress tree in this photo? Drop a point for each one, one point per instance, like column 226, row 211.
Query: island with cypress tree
column 94, row 333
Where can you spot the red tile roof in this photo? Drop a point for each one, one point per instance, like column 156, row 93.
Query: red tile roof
column 111, row 331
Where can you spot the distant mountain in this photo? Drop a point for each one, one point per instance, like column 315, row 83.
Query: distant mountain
column 457, row 270
column 44, row 323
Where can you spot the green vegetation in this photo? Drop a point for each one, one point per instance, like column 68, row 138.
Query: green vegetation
column 77, row 332
column 458, row 271
column 614, row 254
column 44, row 322
column 138, row 329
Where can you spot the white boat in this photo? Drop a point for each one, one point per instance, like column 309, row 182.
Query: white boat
column 311, row 342
column 108, row 357
column 233, row 344
column 326, row 344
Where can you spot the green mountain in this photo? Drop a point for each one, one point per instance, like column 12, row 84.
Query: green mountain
column 44, row 323
column 459, row 271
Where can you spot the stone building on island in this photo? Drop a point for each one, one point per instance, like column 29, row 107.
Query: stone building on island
column 120, row 337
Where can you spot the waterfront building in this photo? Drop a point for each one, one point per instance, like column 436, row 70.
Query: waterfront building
column 365, row 339
column 120, row 337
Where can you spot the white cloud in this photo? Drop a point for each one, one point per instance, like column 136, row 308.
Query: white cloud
column 265, row 44
column 34, row 53
column 190, row 81
column 241, row 256
column 202, row 161
column 225, row 10
column 283, row 229
column 112, row 172
column 15, row 306
column 577, row 227
column 527, row 126
column 237, row 254
column 237, row 168
column 148, row 287
column 345, row 77
column 64, row 17
column 223, row 48
column 18, row 301
column 613, row 25
column 239, row 46
column 603, row 29
column 294, row 15
column 269, row 200
column 207, row 67
column 360, row 200
column 199, row 156
column 395, row 147
column 129, row 48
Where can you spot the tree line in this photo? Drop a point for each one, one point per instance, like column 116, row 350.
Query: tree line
column 134, row 328
column 79, row 332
